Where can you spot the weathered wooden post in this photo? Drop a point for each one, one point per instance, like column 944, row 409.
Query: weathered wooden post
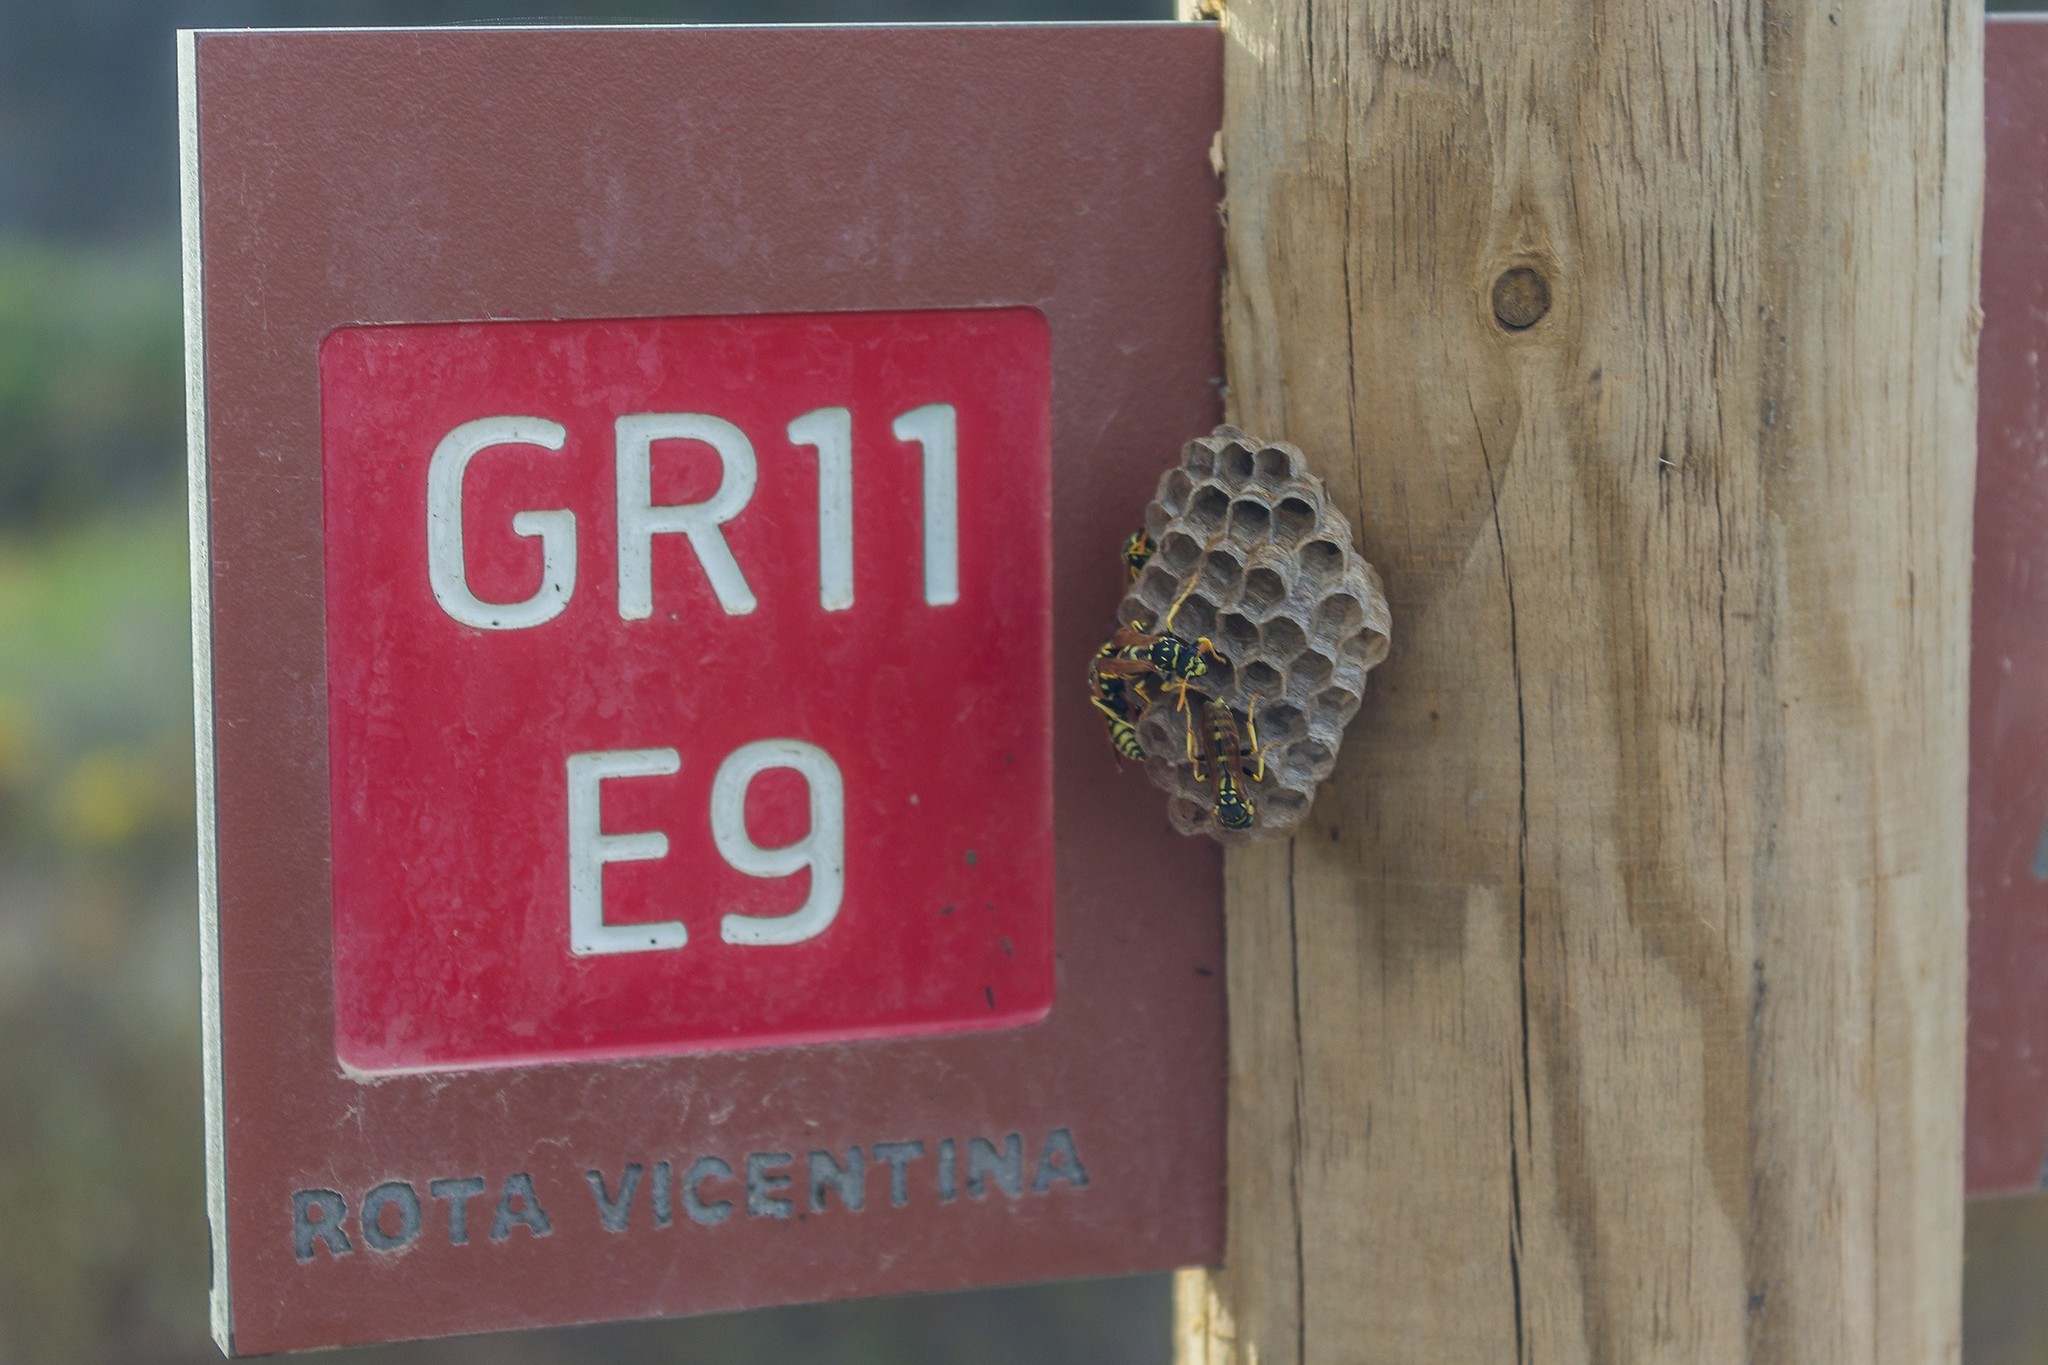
column 1612, row 1010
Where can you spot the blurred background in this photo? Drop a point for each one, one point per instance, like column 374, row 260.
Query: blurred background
column 103, row 1249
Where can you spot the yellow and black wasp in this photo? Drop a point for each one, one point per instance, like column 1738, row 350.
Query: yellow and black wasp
column 1112, row 696
column 1227, row 752
column 1137, row 553
column 1135, row 653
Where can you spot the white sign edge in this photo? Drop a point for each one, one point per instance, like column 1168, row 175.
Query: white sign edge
column 202, row 683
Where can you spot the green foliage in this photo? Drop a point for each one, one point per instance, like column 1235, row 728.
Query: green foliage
column 99, row 1138
column 95, row 692
column 91, row 388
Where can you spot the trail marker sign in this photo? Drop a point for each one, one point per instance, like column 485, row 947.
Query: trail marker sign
column 655, row 495
column 760, row 555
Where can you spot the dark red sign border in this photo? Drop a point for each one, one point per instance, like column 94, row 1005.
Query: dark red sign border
column 459, row 175
column 2006, row 1096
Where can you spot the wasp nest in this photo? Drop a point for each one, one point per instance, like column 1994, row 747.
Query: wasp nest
column 1262, row 565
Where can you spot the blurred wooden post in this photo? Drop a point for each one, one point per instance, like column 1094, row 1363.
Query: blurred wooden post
column 1612, row 1009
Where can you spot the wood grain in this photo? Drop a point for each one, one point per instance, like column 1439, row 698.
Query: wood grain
column 1611, row 1007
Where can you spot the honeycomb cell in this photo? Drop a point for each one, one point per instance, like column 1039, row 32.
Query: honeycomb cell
column 1238, row 634
column 1294, row 516
column 1221, row 571
column 1279, row 723
column 1340, row 614
column 1312, row 670
column 1264, row 589
column 1260, row 677
column 1207, row 509
column 1308, row 762
column 1282, row 639
column 1175, row 492
column 1196, row 616
column 1158, row 519
column 1322, row 561
column 1360, row 649
column 1238, row 464
column 1349, row 678
column 1221, row 679
column 1337, row 701
column 1272, row 466
column 1178, row 553
column 1250, row 520
column 1147, row 602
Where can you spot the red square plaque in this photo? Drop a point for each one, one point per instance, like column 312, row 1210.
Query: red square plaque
column 656, row 493
column 687, row 682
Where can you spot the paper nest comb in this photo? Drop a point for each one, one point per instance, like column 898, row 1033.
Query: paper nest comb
column 1298, row 615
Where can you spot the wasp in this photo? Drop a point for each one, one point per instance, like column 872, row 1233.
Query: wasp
column 1111, row 695
column 1135, row 653
column 1227, row 752
column 1137, row 552
column 1123, row 736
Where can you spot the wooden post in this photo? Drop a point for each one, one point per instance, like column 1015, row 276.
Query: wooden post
column 1612, row 1008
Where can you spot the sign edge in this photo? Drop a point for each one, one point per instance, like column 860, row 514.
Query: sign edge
column 200, row 546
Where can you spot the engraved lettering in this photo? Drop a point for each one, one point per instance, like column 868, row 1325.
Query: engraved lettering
column 718, row 1210
column 762, row 1183
column 458, row 1193
column 519, row 1207
column 898, row 1156
column 1059, row 1161
column 396, row 1195
column 316, row 1220
column 1007, row 1168
column 613, row 1212
column 850, row 1180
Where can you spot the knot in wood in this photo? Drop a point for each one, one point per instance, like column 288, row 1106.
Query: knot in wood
column 1521, row 297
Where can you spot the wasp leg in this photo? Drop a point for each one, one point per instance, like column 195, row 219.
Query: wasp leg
column 1185, row 593
column 1260, row 755
column 1251, row 730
